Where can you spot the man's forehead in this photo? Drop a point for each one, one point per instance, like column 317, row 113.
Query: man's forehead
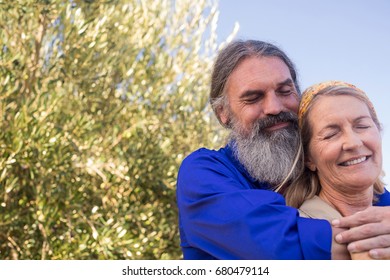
column 255, row 72
column 262, row 64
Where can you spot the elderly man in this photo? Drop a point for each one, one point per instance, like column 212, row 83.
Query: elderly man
column 227, row 205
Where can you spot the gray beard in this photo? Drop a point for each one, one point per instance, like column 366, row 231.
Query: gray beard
column 267, row 156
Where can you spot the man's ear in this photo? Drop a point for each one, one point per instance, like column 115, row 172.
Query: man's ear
column 310, row 164
column 223, row 116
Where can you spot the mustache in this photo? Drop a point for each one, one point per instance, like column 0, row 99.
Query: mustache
column 268, row 121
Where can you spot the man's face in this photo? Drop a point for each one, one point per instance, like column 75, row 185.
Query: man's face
column 262, row 113
column 257, row 88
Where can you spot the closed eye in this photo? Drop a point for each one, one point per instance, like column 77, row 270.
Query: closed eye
column 330, row 132
column 363, row 122
column 286, row 87
column 329, row 136
column 251, row 100
column 251, row 96
column 285, row 92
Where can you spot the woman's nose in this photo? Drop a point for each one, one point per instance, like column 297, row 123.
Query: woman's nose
column 352, row 140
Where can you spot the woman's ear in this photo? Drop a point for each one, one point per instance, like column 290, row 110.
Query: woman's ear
column 310, row 164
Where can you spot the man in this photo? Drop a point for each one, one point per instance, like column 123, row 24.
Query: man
column 227, row 205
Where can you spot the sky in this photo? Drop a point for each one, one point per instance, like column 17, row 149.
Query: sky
column 346, row 40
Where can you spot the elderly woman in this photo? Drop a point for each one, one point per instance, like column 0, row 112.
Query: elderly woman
column 342, row 153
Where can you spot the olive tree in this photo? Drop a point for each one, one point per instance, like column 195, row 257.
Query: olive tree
column 100, row 102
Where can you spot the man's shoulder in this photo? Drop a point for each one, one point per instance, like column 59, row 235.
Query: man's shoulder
column 207, row 162
column 205, row 172
column 206, row 156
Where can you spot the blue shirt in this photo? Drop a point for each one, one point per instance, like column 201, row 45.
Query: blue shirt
column 225, row 214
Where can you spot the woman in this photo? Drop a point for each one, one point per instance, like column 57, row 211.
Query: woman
column 342, row 153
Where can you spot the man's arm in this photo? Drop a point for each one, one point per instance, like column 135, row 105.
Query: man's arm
column 222, row 215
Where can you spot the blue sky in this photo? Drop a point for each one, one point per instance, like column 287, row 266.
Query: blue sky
column 345, row 40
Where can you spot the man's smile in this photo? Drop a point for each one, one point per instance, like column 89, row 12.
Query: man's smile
column 277, row 126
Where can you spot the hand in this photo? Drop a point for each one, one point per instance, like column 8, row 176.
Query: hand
column 369, row 230
column 339, row 251
column 361, row 256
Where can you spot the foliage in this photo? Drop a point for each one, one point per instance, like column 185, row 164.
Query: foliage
column 99, row 104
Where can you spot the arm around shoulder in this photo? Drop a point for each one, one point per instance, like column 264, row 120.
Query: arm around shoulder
column 223, row 215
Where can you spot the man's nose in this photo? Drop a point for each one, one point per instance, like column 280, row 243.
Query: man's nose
column 272, row 105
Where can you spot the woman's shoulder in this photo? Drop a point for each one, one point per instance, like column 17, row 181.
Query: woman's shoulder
column 317, row 208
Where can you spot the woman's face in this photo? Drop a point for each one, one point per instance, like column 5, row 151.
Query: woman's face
column 345, row 149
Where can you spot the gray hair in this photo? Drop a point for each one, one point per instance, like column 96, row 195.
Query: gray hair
column 229, row 58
